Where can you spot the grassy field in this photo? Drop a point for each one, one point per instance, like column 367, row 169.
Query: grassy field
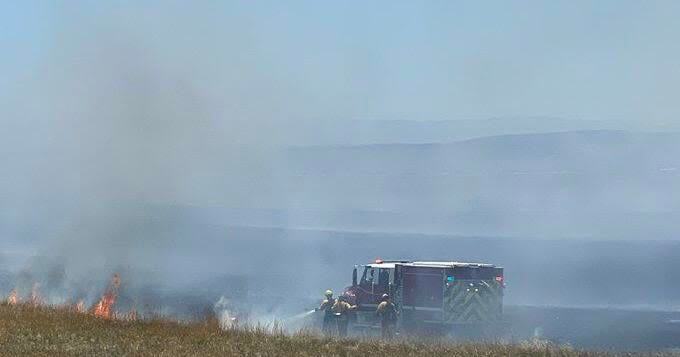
column 26, row 330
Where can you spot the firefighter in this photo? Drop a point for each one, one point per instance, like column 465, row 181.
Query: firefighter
column 326, row 306
column 341, row 310
column 387, row 312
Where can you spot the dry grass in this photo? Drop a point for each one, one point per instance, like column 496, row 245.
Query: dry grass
column 26, row 330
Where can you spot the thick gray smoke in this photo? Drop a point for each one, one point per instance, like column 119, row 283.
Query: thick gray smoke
column 127, row 112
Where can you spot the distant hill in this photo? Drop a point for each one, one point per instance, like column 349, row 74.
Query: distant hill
column 603, row 184
column 342, row 131
column 599, row 150
column 363, row 131
column 579, row 183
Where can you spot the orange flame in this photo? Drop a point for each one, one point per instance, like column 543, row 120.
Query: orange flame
column 13, row 298
column 104, row 308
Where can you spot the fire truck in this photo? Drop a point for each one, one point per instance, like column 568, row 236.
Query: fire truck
column 430, row 296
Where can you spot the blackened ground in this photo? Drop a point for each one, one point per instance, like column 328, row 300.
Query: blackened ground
column 608, row 329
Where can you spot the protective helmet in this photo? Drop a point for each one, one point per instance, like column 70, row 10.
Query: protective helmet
column 384, row 297
column 329, row 293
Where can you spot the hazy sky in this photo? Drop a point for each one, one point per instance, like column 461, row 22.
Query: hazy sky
column 378, row 59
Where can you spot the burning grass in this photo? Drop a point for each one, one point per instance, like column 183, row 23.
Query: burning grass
column 34, row 330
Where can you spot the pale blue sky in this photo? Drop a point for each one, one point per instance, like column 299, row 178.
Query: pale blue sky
column 378, row 59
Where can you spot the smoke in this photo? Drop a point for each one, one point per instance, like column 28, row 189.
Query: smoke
column 128, row 111
column 124, row 112
column 132, row 118
column 225, row 315
column 143, row 139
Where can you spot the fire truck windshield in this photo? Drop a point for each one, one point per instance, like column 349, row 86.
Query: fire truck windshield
column 375, row 276
column 369, row 275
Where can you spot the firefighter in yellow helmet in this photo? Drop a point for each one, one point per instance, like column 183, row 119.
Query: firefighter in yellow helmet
column 387, row 312
column 341, row 310
column 326, row 306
